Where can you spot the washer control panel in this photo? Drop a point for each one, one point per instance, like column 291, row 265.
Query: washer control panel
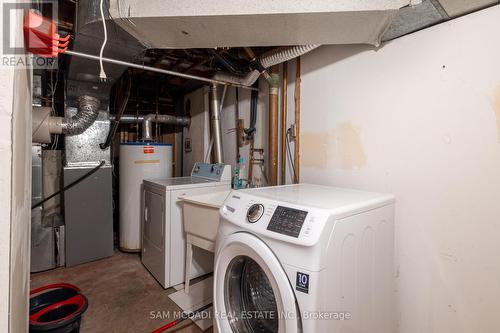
column 287, row 221
column 255, row 212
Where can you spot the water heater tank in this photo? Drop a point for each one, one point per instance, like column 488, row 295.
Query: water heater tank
column 138, row 161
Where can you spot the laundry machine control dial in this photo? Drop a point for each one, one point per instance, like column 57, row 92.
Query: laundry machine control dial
column 255, row 212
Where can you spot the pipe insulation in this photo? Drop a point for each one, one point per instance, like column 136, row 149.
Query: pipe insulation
column 88, row 110
column 263, row 62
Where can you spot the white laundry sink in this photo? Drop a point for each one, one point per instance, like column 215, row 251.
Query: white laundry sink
column 201, row 214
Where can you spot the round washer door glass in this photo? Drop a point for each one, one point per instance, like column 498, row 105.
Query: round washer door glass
column 252, row 291
column 252, row 304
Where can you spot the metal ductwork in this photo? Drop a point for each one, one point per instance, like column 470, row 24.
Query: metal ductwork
column 44, row 124
column 238, row 23
column 88, row 110
column 245, row 80
column 147, row 123
column 216, row 124
column 265, row 61
column 148, row 120
column 83, row 74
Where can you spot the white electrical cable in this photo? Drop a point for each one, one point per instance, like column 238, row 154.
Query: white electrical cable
column 53, row 89
column 102, row 74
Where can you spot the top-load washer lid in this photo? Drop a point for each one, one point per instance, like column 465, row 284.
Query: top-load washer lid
column 203, row 174
column 179, row 183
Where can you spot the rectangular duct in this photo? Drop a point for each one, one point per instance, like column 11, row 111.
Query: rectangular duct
column 83, row 150
column 202, row 24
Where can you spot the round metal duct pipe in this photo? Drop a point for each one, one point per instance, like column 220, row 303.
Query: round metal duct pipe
column 44, row 124
column 148, row 120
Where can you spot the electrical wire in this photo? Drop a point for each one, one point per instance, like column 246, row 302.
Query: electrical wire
column 124, row 102
column 67, row 187
column 102, row 74
column 290, row 154
column 53, row 89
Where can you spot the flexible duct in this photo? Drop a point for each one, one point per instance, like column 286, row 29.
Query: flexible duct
column 282, row 54
column 44, row 124
column 269, row 59
column 88, row 110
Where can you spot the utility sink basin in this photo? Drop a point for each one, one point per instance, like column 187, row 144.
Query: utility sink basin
column 201, row 214
column 201, row 221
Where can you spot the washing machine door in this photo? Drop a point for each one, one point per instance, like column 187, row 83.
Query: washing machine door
column 252, row 293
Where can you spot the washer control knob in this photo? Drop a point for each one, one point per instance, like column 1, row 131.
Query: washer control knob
column 255, row 212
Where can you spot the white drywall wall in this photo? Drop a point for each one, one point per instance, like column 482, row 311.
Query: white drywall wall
column 197, row 135
column 15, row 193
column 20, row 201
column 420, row 118
column 6, row 102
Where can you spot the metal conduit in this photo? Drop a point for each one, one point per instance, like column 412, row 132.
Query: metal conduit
column 157, row 70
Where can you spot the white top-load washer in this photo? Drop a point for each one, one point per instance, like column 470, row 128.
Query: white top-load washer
column 163, row 237
column 305, row 258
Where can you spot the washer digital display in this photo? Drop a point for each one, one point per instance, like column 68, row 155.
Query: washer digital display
column 287, row 221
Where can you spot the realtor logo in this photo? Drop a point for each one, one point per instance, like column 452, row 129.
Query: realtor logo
column 15, row 39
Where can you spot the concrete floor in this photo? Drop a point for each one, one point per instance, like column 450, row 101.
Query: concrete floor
column 121, row 293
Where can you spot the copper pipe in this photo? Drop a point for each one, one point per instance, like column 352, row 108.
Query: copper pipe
column 273, row 126
column 296, row 155
column 284, row 111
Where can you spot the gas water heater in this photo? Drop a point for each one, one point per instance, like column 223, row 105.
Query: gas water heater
column 138, row 161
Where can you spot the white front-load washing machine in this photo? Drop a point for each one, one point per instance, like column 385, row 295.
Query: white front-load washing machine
column 305, row 258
